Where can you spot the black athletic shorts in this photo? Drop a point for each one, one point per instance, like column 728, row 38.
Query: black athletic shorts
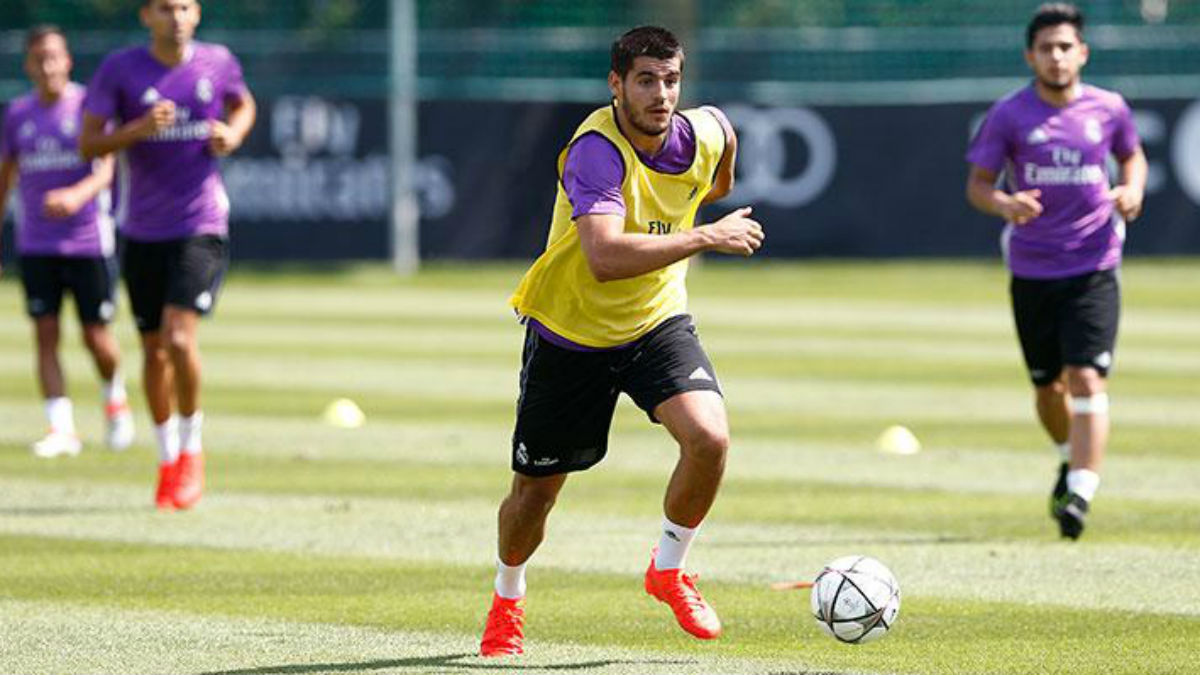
column 1067, row 322
column 91, row 281
column 568, row 396
column 184, row 273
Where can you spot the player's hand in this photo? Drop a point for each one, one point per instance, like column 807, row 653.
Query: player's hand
column 736, row 233
column 1022, row 207
column 1128, row 201
column 222, row 140
column 61, row 203
column 159, row 117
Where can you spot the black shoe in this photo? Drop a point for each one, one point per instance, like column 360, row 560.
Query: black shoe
column 1059, row 495
column 1070, row 515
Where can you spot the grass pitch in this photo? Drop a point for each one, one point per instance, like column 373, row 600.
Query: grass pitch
column 324, row 550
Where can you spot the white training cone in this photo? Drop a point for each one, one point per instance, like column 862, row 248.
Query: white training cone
column 344, row 413
column 898, row 440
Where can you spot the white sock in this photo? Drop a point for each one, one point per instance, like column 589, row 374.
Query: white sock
column 1083, row 482
column 167, row 434
column 1064, row 450
column 510, row 581
column 189, row 433
column 114, row 390
column 673, row 545
column 61, row 414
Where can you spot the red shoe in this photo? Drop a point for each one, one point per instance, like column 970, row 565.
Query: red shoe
column 164, row 496
column 505, row 631
column 189, row 485
column 678, row 591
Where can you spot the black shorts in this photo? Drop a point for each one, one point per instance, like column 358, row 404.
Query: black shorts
column 1067, row 322
column 184, row 273
column 92, row 282
column 568, row 396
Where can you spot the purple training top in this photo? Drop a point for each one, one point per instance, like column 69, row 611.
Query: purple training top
column 1062, row 152
column 43, row 141
column 175, row 188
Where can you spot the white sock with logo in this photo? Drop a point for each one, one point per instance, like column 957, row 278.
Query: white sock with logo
column 114, row 389
column 1064, row 450
column 61, row 414
column 1083, row 482
column 167, row 435
column 189, row 433
column 673, row 545
column 510, row 580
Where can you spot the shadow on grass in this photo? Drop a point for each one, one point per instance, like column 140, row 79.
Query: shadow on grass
column 48, row 511
column 448, row 661
column 922, row 540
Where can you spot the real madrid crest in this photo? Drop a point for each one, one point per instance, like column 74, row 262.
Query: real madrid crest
column 204, row 90
column 1092, row 130
column 68, row 127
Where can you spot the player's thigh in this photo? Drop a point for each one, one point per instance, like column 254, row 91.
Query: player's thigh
column 92, row 283
column 43, row 279
column 1035, row 308
column 667, row 362
column 144, row 268
column 565, row 408
column 1092, row 311
column 196, row 275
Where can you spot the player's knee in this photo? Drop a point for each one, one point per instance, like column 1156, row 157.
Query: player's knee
column 1084, row 381
column 707, row 443
column 178, row 340
column 535, row 495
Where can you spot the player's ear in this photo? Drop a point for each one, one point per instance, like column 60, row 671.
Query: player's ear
column 1084, row 52
column 614, row 84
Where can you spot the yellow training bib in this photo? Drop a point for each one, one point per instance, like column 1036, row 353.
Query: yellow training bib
column 559, row 290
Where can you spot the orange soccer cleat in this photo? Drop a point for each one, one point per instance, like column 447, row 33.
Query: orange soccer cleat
column 189, row 483
column 164, row 495
column 505, row 631
column 678, row 591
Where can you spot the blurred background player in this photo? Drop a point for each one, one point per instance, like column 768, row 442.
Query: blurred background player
column 177, row 106
column 1063, row 240
column 64, row 236
column 606, row 313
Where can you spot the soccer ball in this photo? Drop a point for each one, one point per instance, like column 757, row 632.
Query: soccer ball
column 856, row 599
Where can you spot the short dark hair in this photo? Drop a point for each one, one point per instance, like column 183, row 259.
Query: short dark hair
column 652, row 41
column 40, row 31
column 1053, row 14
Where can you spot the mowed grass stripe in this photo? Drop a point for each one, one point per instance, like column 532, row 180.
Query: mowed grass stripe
column 932, row 561
column 934, row 635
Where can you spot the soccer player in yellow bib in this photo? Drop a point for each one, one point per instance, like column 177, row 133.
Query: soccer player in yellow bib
column 605, row 308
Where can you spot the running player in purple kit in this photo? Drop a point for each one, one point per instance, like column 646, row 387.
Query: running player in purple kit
column 606, row 311
column 64, row 236
column 176, row 107
column 1063, row 240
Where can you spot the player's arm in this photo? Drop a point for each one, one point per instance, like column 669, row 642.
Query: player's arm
column 615, row 254
column 8, row 175
column 66, row 201
column 1017, row 208
column 228, row 135
column 97, row 140
column 1127, row 195
column 723, row 183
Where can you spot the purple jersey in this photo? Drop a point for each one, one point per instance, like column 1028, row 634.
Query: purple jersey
column 43, row 141
column 175, row 188
column 1063, row 152
column 594, row 171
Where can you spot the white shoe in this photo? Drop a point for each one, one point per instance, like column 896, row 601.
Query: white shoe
column 119, row 435
column 57, row 443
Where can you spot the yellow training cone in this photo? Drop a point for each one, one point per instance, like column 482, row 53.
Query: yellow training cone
column 898, row 440
column 344, row 413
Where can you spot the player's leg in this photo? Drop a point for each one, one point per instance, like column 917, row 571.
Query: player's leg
column 672, row 378
column 43, row 280
column 195, row 275
column 144, row 266
column 564, row 412
column 1092, row 312
column 92, row 285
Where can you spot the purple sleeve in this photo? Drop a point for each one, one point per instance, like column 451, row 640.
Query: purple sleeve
column 592, row 177
column 1125, row 136
column 989, row 148
column 8, row 144
column 234, row 83
column 101, row 98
